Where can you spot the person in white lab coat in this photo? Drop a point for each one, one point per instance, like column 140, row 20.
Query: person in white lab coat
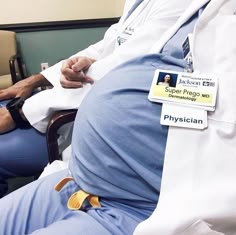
column 133, row 35
column 115, row 174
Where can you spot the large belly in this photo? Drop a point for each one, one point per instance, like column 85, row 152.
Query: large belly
column 118, row 142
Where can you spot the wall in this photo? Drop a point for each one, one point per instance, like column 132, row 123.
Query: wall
column 52, row 46
column 26, row 11
column 39, row 44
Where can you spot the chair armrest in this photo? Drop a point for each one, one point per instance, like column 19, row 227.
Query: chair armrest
column 13, row 61
column 59, row 119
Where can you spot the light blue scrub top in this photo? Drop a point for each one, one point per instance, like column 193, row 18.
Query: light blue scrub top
column 118, row 143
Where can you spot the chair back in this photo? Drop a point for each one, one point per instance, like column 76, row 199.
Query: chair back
column 7, row 49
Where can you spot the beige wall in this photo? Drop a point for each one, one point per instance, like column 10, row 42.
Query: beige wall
column 28, row 11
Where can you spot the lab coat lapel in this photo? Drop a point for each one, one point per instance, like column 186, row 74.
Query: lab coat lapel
column 194, row 7
column 211, row 12
column 134, row 15
column 202, row 35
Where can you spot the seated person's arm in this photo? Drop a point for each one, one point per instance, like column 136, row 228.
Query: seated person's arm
column 6, row 121
column 24, row 88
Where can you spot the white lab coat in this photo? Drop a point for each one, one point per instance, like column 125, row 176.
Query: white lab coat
column 149, row 22
column 198, row 192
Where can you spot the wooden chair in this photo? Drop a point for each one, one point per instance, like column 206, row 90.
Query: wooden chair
column 59, row 119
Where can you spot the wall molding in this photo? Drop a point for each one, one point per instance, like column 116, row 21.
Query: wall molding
column 59, row 25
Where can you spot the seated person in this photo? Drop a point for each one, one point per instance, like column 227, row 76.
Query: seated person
column 148, row 21
column 118, row 148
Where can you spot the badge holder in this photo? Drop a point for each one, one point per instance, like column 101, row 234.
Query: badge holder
column 186, row 96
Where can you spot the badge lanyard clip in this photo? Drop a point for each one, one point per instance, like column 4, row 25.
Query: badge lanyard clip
column 187, row 51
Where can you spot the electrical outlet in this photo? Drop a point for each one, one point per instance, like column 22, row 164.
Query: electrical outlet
column 44, row 66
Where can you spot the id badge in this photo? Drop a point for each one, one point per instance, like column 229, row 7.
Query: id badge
column 189, row 89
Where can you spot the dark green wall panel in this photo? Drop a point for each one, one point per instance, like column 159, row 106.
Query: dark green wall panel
column 52, row 46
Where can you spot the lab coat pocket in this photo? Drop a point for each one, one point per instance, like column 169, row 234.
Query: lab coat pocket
column 224, row 58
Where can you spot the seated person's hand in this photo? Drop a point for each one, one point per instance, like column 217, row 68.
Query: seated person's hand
column 23, row 88
column 73, row 72
column 6, row 121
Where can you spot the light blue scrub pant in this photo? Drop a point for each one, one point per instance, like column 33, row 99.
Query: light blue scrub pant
column 23, row 152
column 38, row 209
